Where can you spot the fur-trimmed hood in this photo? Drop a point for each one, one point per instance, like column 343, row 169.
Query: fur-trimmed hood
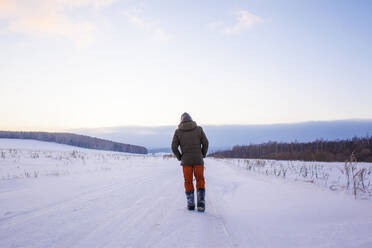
column 187, row 126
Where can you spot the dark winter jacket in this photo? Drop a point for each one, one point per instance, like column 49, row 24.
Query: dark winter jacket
column 193, row 142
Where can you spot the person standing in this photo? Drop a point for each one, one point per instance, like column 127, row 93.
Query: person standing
column 194, row 147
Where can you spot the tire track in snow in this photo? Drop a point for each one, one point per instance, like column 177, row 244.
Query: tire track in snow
column 37, row 212
column 223, row 225
column 46, row 219
column 120, row 230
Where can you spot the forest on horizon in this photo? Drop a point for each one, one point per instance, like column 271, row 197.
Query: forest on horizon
column 319, row 150
column 75, row 140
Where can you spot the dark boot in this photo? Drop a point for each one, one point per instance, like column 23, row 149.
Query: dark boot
column 190, row 200
column 201, row 200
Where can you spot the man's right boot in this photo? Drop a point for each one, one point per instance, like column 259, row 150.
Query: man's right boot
column 190, row 200
column 201, row 200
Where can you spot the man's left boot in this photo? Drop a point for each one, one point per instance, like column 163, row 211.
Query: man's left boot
column 190, row 200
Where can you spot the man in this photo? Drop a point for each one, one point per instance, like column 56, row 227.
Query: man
column 194, row 146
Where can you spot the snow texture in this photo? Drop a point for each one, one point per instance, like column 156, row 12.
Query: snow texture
column 58, row 196
column 345, row 176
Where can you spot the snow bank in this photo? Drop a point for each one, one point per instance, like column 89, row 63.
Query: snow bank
column 33, row 159
column 335, row 175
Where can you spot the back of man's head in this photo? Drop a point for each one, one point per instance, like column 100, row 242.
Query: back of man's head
column 185, row 117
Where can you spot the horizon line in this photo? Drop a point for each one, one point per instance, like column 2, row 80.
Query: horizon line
column 56, row 129
column 230, row 124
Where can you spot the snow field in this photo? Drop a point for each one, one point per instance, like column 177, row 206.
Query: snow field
column 33, row 159
column 335, row 176
column 108, row 199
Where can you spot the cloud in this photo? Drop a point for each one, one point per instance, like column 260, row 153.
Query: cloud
column 48, row 17
column 244, row 22
column 150, row 27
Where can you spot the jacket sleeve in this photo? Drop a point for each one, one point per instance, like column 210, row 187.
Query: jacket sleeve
column 204, row 143
column 175, row 145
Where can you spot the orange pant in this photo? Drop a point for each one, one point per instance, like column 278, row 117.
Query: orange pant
column 198, row 171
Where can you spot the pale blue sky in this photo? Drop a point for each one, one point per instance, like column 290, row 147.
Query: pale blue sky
column 93, row 63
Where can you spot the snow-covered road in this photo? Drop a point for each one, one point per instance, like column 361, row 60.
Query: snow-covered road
column 143, row 205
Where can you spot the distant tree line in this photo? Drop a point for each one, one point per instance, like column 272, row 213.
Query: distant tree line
column 75, row 140
column 319, row 150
